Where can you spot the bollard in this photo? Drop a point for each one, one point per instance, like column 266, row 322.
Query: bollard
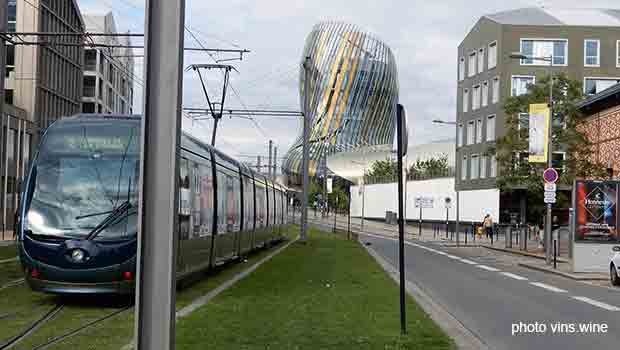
column 473, row 231
column 555, row 254
column 465, row 235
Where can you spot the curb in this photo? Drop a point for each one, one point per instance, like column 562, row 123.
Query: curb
column 518, row 252
column 464, row 338
column 560, row 273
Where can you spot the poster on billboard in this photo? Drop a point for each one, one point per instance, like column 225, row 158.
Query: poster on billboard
column 538, row 132
column 596, row 211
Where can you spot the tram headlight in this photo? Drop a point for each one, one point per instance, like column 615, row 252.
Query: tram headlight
column 78, row 255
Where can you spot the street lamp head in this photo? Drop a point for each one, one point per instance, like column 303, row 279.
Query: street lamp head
column 518, row 56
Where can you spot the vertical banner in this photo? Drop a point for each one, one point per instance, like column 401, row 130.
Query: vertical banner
column 538, row 132
column 596, row 211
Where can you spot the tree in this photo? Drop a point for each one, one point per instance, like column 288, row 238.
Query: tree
column 512, row 149
column 429, row 168
column 383, row 169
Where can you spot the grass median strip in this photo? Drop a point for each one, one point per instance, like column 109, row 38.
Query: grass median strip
column 8, row 252
column 326, row 294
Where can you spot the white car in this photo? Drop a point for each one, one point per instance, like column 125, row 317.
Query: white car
column 614, row 267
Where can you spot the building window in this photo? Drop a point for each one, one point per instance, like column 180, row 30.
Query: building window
column 483, row 167
column 557, row 49
column 471, row 69
column 618, row 53
column 592, row 86
column 479, row 131
column 475, row 103
column 485, row 93
column 461, row 68
column 88, row 107
column 495, row 89
column 492, row 60
column 470, row 133
column 592, row 53
column 459, row 135
column 520, row 84
column 492, row 166
column 465, row 100
column 491, row 128
column 481, row 60
column 464, row 168
column 8, row 96
column 474, row 167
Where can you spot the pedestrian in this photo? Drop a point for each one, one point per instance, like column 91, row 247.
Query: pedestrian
column 488, row 226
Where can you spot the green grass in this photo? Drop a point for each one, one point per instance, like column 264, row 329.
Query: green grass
column 116, row 332
column 8, row 252
column 9, row 272
column 326, row 294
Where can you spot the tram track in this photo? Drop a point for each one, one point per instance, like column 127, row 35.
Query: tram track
column 13, row 283
column 32, row 327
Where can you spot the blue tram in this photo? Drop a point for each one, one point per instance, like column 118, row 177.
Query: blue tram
column 77, row 227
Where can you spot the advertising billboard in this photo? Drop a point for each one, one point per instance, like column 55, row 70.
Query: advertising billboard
column 596, row 211
column 538, row 132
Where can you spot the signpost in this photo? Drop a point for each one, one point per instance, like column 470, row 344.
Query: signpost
column 551, row 177
column 448, row 205
column 423, row 202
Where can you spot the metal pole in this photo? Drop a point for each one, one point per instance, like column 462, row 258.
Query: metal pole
column 335, row 215
column 349, row 216
column 275, row 163
column 216, row 120
column 401, row 223
column 4, row 6
column 258, row 166
column 420, row 221
column 270, row 159
column 549, row 164
column 456, row 224
column 555, row 254
column 6, row 172
column 363, row 197
column 306, row 153
column 159, row 174
column 447, row 223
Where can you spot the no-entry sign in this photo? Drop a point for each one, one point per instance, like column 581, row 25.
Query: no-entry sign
column 550, row 175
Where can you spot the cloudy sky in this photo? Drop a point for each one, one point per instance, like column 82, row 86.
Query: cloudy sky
column 424, row 36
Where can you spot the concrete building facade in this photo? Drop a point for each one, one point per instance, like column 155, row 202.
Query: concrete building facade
column 108, row 72
column 42, row 84
column 584, row 44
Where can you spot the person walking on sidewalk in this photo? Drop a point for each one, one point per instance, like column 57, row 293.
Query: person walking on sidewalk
column 487, row 223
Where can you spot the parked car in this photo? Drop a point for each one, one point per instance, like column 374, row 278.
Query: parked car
column 614, row 267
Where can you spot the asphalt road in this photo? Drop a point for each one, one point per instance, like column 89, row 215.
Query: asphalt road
column 491, row 298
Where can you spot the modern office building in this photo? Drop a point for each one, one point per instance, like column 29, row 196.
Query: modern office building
column 108, row 72
column 583, row 43
column 352, row 95
column 42, row 84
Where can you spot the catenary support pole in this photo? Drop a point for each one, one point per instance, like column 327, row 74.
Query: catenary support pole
column 401, row 222
column 305, row 153
column 270, row 159
column 4, row 4
column 456, row 224
column 159, row 174
column 274, row 174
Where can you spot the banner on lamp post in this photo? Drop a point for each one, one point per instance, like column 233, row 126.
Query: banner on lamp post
column 538, row 132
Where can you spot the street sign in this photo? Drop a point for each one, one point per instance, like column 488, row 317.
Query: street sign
column 329, row 185
column 448, row 202
column 550, row 187
column 550, row 197
column 424, row 202
column 550, row 175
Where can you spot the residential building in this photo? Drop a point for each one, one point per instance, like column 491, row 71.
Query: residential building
column 582, row 43
column 108, row 72
column 42, row 84
column 601, row 125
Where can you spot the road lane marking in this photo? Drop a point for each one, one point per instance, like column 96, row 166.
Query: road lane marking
column 512, row 275
column 488, row 268
column 469, row 262
column 597, row 303
column 548, row 287
column 453, row 257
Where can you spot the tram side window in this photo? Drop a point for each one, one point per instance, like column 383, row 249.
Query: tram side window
column 222, row 202
column 233, row 209
column 260, row 206
column 184, row 197
column 205, row 224
column 248, row 204
column 278, row 210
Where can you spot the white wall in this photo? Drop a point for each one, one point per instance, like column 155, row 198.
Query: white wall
column 383, row 197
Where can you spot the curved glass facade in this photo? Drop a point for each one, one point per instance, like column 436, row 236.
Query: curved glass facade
column 352, row 94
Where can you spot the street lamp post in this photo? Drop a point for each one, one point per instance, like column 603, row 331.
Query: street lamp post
column 548, row 218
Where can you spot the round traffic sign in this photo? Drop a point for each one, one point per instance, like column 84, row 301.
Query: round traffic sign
column 550, row 175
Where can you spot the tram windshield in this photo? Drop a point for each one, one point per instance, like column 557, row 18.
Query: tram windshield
column 85, row 181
